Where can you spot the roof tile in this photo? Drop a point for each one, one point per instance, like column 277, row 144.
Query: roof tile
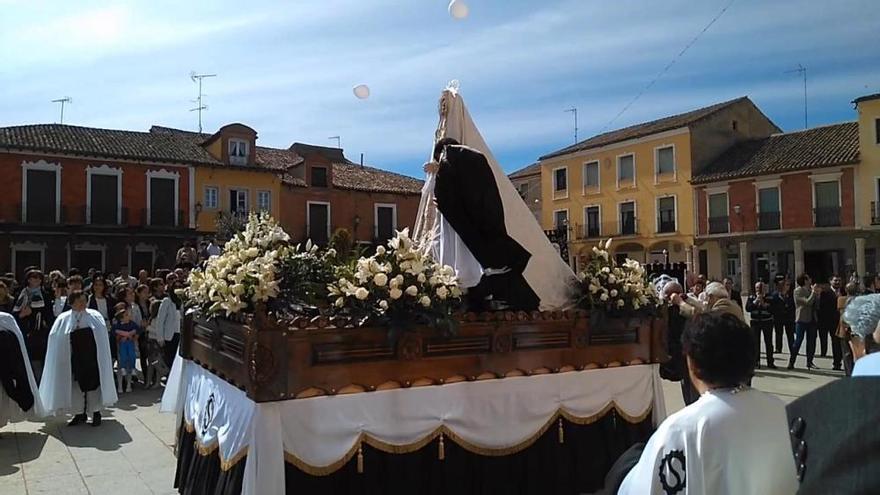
column 825, row 146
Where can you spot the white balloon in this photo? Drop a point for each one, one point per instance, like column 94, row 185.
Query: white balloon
column 458, row 9
column 362, row 91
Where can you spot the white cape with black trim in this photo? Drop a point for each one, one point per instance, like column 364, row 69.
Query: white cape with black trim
column 9, row 409
column 57, row 383
column 547, row 274
column 726, row 443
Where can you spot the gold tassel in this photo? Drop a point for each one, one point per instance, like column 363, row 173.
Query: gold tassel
column 441, row 454
column 561, row 432
column 360, row 459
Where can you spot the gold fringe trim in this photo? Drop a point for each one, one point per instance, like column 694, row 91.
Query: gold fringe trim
column 206, row 450
column 443, row 432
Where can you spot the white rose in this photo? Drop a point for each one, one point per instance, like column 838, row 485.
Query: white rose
column 620, row 303
column 383, row 303
column 380, row 279
column 593, row 289
column 613, row 292
column 421, row 278
column 412, row 290
column 442, row 292
column 605, row 269
column 612, row 279
column 380, row 250
column 603, row 297
column 395, row 293
column 636, row 305
column 361, row 293
column 425, row 301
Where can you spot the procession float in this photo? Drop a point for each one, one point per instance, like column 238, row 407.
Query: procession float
column 421, row 367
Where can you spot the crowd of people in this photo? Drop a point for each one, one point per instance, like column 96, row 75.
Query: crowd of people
column 136, row 319
column 732, row 438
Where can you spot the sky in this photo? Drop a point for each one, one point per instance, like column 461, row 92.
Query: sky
column 287, row 68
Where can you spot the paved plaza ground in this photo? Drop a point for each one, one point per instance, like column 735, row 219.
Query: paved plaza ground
column 131, row 453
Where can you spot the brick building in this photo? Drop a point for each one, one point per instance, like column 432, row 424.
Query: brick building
column 84, row 197
column 98, row 198
column 784, row 204
column 325, row 191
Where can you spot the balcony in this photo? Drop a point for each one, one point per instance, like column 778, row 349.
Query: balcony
column 719, row 225
column 628, row 226
column 590, row 231
column 768, row 220
column 79, row 215
column 827, row 216
column 875, row 215
column 666, row 222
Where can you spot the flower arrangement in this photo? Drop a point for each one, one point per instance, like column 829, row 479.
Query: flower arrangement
column 245, row 274
column 615, row 288
column 398, row 286
column 305, row 274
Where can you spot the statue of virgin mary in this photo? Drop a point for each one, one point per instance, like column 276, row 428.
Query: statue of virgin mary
column 471, row 218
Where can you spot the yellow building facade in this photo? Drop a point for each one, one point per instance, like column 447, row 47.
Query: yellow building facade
column 633, row 184
column 867, row 194
column 225, row 190
column 636, row 191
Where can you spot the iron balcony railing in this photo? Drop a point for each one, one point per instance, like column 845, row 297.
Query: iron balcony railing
column 768, row 220
column 827, row 216
column 589, row 231
column 628, row 225
column 719, row 225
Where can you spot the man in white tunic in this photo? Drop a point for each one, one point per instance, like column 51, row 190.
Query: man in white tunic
column 734, row 440
column 19, row 397
column 78, row 377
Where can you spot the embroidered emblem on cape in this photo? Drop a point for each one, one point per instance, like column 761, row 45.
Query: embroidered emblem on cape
column 672, row 472
column 208, row 414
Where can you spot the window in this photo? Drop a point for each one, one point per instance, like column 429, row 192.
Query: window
column 591, row 175
column 163, row 197
column 592, row 227
column 560, row 179
column 319, row 176
column 877, row 131
column 212, row 196
column 41, row 192
column 103, row 195
column 718, row 214
column 385, row 222
column 666, row 161
column 523, row 190
column 733, row 125
column 560, row 219
column 238, row 201
column 827, row 203
column 238, row 152
column 627, row 218
column 666, row 215
column 264, row 200
column 626, row 171
column 768, row 208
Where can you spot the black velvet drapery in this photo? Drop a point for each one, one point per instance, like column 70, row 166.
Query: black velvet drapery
column 547, row 467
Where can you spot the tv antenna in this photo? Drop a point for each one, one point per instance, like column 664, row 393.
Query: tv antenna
column 338, row 141
column 198, row 78
column 803, row 72
column 64, row 100
column 574, row 111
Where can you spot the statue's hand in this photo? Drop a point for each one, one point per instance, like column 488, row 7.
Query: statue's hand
column 431, row 167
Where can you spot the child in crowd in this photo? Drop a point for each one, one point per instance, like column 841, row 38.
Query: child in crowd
column 126, row 338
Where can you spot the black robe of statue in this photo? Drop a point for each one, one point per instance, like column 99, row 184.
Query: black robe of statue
column 13, row 371
column 467, row 196
column 84, row 359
